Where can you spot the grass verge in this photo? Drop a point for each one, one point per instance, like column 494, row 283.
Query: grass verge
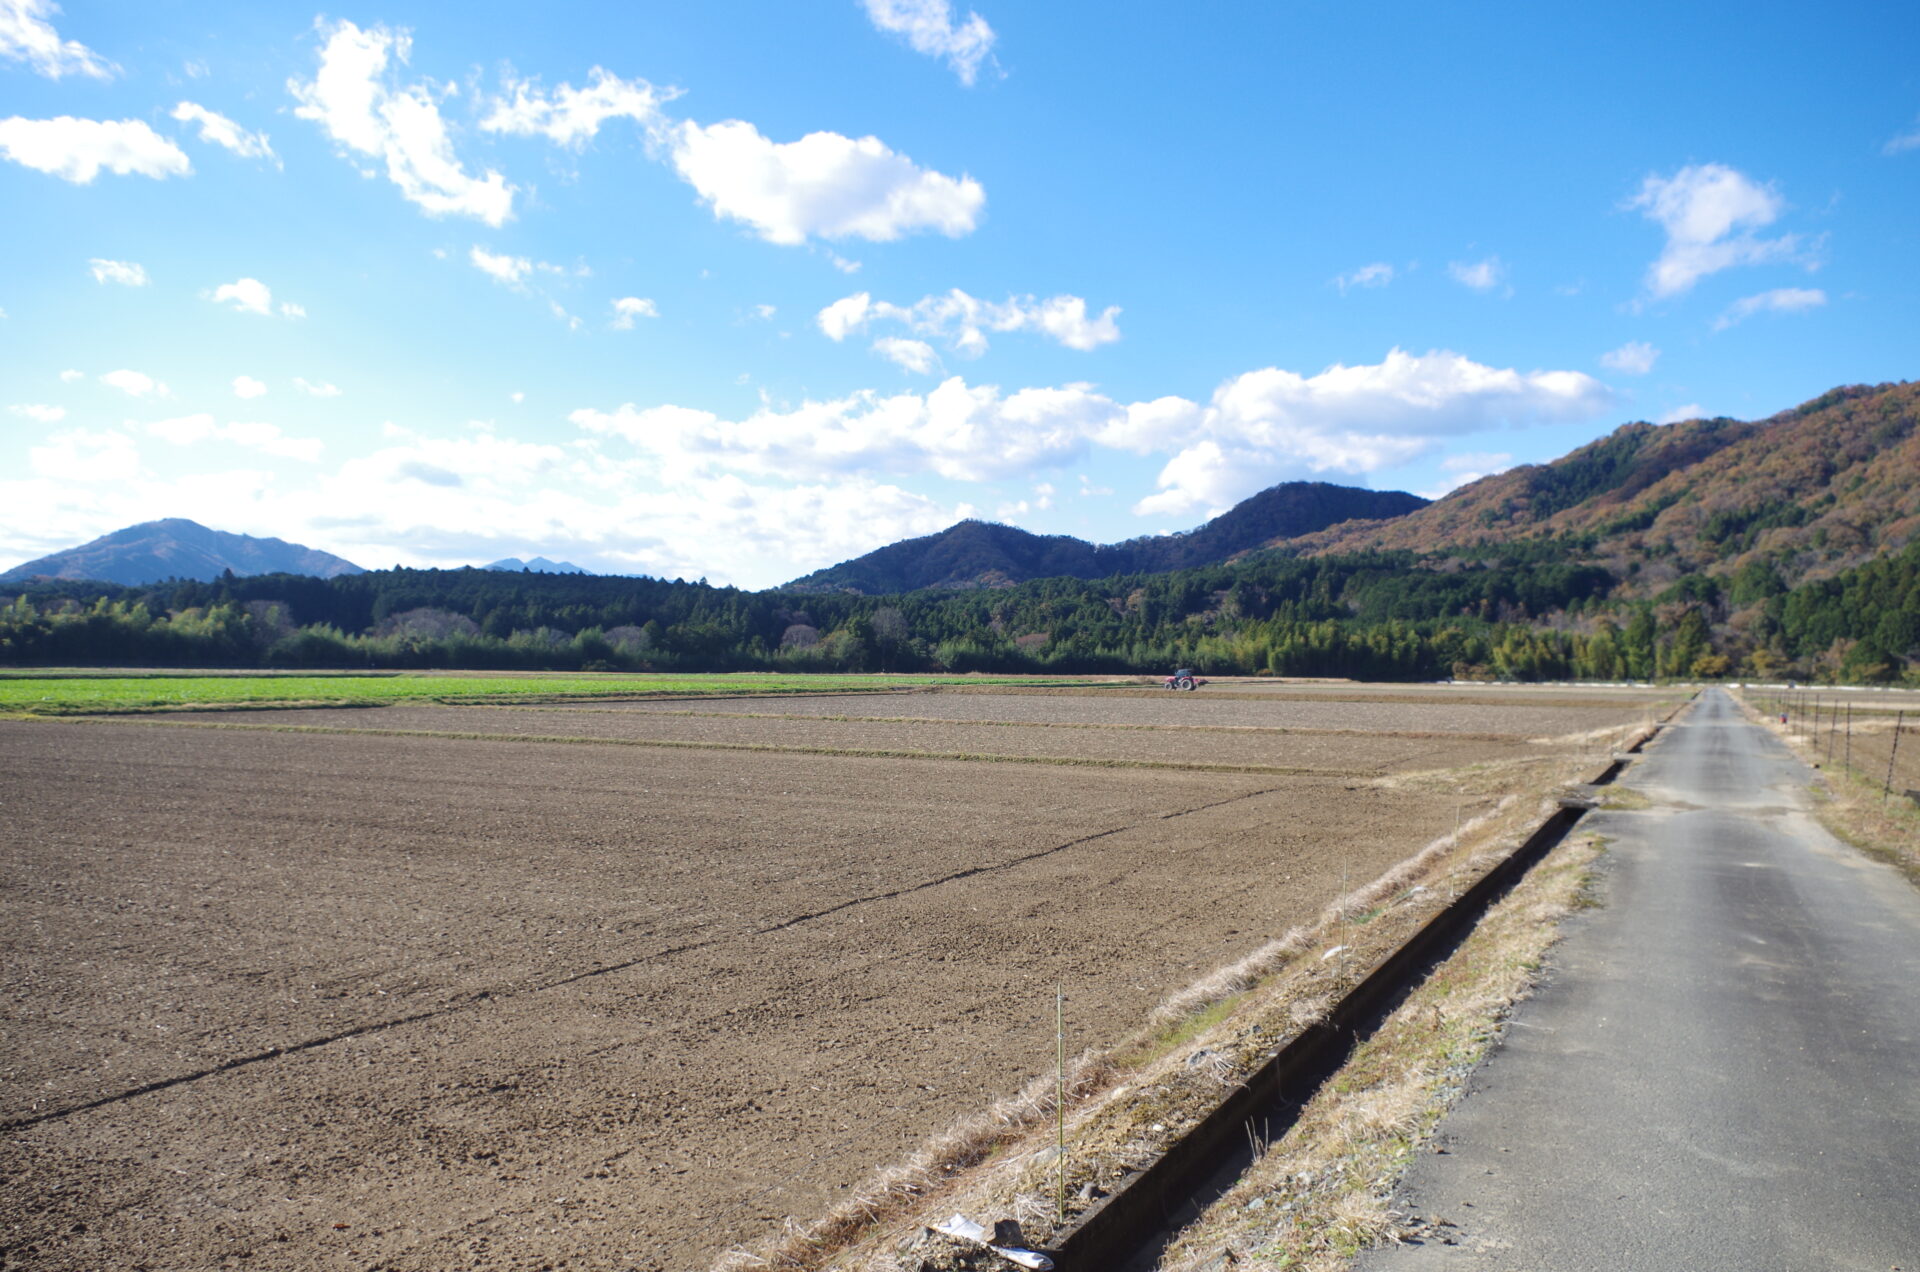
column 1323, row 1192
column 73, row 694
column 1854, row 806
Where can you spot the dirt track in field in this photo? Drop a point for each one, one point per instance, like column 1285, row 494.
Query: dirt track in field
column 283, row 1000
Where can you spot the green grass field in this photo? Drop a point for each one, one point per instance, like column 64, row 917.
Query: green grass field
column 68, row 693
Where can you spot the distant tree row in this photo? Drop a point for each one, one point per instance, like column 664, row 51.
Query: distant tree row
column 1528, row 613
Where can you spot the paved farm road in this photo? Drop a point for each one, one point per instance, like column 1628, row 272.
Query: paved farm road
column 1725, row 1069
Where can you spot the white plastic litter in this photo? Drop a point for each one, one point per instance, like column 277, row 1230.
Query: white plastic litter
column 966, row 1229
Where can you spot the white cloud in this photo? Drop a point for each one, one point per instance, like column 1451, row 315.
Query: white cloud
column 571, row 116
column 916, row 356
column 1691, row 411
column 1264, row 424
column 312, row 389
column 39, row 412
column 764, row 313
column 1903, row 142
column 511, row 270
column 1710, row 213
column 821, row 186
column 1781, row 300
column 72, row 377
column 628, row 308
column 517, row 398
column 364, row 110
column 221, row 131
column 251, row 296
column 135, row 384
column 86, row 457
column 126, row 273
column 245, row 386
column 1636, row 357
column 188, row 430
column 77, row 149
column 842, row 264
column 1378, row 274
column 1257, row 429
column 1481, row 275
column 27, row 36
column 929, row 28
column 963, row 321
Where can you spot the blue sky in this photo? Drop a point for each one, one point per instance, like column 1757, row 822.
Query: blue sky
column 739, row 290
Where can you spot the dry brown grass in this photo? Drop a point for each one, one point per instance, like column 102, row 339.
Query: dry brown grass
column 1854, row 805
column 1324, row 1191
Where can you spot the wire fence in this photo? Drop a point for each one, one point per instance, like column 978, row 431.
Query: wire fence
column 1879, row 743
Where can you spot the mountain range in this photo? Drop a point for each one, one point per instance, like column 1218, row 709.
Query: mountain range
column 1806, row 494
column 985, row 554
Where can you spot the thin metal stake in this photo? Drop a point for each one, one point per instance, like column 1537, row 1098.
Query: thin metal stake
column 1898, row 719
column 1060, row 1090
column 1849, row 760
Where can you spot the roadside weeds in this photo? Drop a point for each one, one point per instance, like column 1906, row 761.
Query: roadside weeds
column 1851, row 805
column 1324, row 1192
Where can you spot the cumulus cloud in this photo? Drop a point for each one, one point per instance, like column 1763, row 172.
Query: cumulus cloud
column 1353, row 420
column 125, row 273
column 821, row 186
column 1467, row 468
column 71, row 376
column 1781, row 300
column 511, row 270
column 1378, row 274
column 39, row 412
column 245, row 386
column 221, row 131
column 1710, row 213
column 916, row 356
column 267, row 439
column 1679, row 414
column 628, row 308
column 962, row 321
column 1481, row 275
column 135, row 384
column 1256, row 429
column 1636, row 357
column 77, row 149
column 366, row 111
column 928, row 27
column 251, row 296
column 319, row 389
column 571, row 116
column 27, row 36
column 86, row 456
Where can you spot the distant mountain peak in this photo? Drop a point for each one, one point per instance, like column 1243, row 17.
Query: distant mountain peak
column 987, row 554
column 538, row 565
column 179, row 548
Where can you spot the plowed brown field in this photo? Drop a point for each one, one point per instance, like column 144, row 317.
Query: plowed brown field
column 318, row 1000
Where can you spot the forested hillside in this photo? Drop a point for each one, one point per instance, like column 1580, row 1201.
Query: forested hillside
column 983, row 554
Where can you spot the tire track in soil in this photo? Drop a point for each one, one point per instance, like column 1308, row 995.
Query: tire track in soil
column 487, row 996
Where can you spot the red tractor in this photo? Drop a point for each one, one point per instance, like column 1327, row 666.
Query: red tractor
column 1184, row 679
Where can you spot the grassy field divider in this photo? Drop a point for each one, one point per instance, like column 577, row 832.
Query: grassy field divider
column 679, row 744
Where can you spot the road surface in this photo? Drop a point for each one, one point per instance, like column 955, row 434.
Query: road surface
column 1723, row 1071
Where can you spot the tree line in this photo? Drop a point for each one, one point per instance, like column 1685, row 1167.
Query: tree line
column 1531, row 614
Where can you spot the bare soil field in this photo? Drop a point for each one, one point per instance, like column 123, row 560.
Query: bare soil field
column 1305, row 751
column 1412, row 710
column 315, row 1000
